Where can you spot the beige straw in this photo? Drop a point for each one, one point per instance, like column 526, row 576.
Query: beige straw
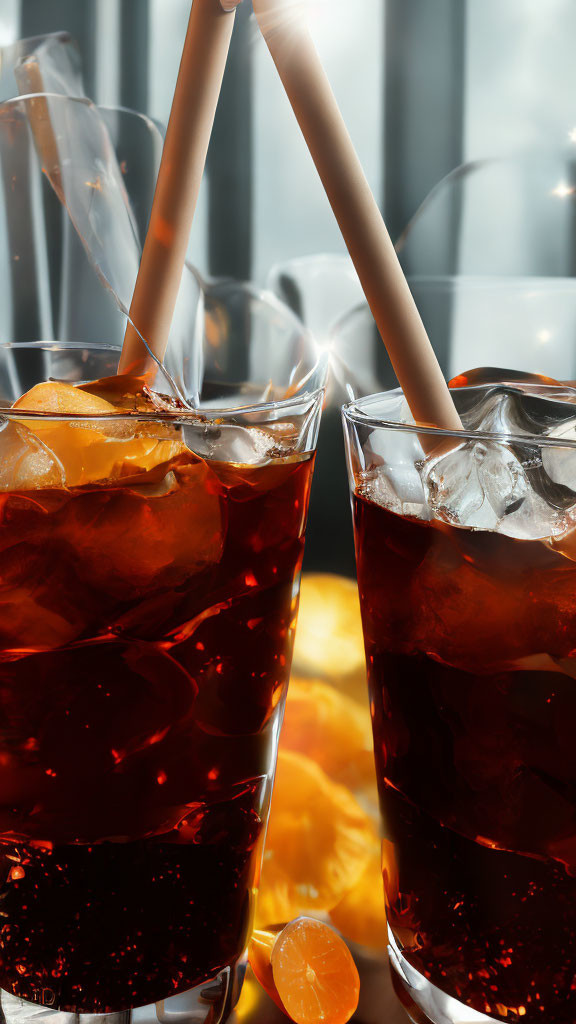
column 29, row 80
column 389, row 297
column 189, row 129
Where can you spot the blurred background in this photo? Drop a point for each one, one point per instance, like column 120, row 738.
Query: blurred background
column 425, row 85
column 477, row 94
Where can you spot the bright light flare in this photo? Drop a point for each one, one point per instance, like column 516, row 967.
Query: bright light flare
column 7, row 33
column 563, row 190
column 544, row 336
column 281, row 15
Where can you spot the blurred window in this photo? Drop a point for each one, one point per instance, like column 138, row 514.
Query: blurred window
column 423, row 84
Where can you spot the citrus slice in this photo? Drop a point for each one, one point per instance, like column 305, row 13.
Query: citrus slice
column 260, row 959
column 361, row 916
column 94, row 450
column 318, row 843
column 314, row 974
column 332, row 729
column 62, row 398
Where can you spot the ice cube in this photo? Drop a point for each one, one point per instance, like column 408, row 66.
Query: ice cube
column 28, row 623
column 518, row 488
column 494, row 410
column 515, row 406
column 26, row 462
column 484, row 485
column 534, row 519
column 559, row 462
column 245, row 446
column 132, row 540
column 392, row 477
column 474, row 485
column 399, row 454
column 42, row 603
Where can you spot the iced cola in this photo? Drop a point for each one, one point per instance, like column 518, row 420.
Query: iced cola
column 467, row 576
column 148, row 598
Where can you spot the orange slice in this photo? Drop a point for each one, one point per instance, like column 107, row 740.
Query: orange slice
column 318, row 844
column 314, row 974
column 90, row 450
column 361, row 916
column 58, row 397
column 307, row 970
column 332, row 729
column 260, row 959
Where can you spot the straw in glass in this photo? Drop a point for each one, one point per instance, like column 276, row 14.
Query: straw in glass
column 181, row 170
column 304, row 79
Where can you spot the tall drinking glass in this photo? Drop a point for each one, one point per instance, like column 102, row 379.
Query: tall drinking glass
column 151, row 539
column 466, row 554
column 149, row 573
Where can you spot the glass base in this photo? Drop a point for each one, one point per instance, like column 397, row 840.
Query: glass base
column 423, row 1002
column 208, row 1003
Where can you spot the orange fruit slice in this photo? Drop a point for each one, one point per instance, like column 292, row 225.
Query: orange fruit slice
column 332, row 729
column 361, row 916
column 307, row 970
column 318, row 843
column 260, row 959
column 314, row 974
column 329, row 641
column 58, row 397
column 90, row 450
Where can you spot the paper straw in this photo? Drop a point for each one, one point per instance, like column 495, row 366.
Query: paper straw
column 29, row 80
column 357, row 213
column 183, row 160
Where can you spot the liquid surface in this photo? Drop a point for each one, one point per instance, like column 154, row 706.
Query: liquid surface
column 146, row 629
column 471, row 641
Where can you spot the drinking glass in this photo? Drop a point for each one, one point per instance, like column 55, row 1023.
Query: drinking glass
column 490, row 261
column 318, row 288
column 151, row 541
column 150, row 566
column 466, row 547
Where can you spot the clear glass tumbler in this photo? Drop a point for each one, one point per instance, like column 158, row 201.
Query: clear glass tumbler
column 149, row 573
column 151, row 539
column 466, row 555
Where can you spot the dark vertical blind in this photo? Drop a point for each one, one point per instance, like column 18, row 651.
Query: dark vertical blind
column 78, row 17
column 424, row 61
column 425, row 55
column 134, row 54
column 230, row 162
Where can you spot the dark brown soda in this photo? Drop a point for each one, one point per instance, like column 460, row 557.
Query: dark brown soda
column 146, row 632
column 471, row 653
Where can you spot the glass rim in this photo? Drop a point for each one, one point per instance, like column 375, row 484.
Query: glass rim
column 202, row 416
column 185, row 417
column 353, row 413
column 21, row 98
